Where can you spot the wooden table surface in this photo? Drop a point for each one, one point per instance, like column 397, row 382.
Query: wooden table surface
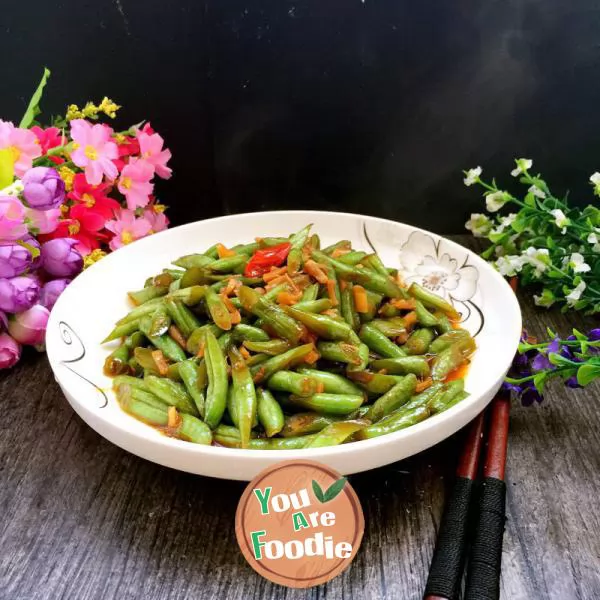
column 83, row 519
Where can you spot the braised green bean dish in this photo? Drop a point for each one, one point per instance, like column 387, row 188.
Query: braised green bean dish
column 281, row 344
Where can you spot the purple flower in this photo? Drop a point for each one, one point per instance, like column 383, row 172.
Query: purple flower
column 541, row 363
column 60, row 258
column 10, row 351
column 3, row 320
column 530, row 394
column 31, row 241
column 572, row 382
column 19, row 293
column 51, row 291
column 29, row 327
column 511, row 387
column 43, row 188
column 594, row 335
column 14, row 259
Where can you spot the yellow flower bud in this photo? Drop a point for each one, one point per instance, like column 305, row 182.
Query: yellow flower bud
column 93, row 257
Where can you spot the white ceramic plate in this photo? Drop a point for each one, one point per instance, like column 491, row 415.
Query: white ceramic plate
column 89, row 307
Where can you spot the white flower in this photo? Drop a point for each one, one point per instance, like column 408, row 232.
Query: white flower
column 510, row 265
column 577, row 263
column 595, row 178
column 593, row 239
column 536, row 191
column 523, row 165
column 496, row 200
column 538, row 258
column 14, row 189
column 505, row 223
column 472, row 176
column 560, row 219
column 575, row 294
column 479, row 225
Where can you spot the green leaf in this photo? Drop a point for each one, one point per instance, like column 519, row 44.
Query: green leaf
column 488, row 252
column 587, row 373
column 34, row 104
column 335, row 489
column 318, row 491
column 558, row 360
column 539, row 381
column 33, row 250
column 530, row 199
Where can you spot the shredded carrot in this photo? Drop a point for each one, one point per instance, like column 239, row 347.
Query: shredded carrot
column 236, row 317
column 320, row 388
column 200, row 352
column 382, row 371
column 227, row 302
column 301, row 280
column 259, row 290
column 314, row 269
column 331, row 292
column 399, row 280
column 331, row 312
column 291, row 283
column 232, row 286
column 275, row 282
column 361, row 301
column 259, row 375
column 401, row 338
column 224, row 252
column 173, row 418
column 403, row 304
column 273, row 273
column 309, row 337
column 410, row 319
column 161, row 362
column 423, row 384
column 343, row 285
column 312, row 357
column 244, row 352
column 288, row 298
column 177, row 335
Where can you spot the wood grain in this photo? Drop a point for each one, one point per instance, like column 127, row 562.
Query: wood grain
column 82, row 519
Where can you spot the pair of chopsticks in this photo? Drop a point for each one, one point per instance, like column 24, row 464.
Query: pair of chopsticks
column 484, row 508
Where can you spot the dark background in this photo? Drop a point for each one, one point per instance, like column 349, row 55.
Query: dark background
column 371, row 106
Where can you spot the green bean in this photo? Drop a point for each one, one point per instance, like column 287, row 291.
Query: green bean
column 432, row 300
column 336, row 433
column 248, row 249
column 244, row 395
column 174, row 273
column 403, row 364
column 363, row 355
column 421, row 399
column 195, row 276
column 447, row 339
column 451, row 358
column 340, row 352
column 295, row 383
column 188, row 369
column 173, row 372
column 212, row 252
column 257, row 359
column 217, row 309
column 372, row 281
column 333, row 404
column 233, row 409
column 197, row 336
column 228, row 264
column 134, row 367
column 135, row 339
column 226, row 438
column 424, row 317
column 133, row 382
column 141, row 311
column 444, row 325
column 218, row 381
column 171, row 393
column 315, row 241
column 226, row 341
column 149, row 293
column 122, row 330
column 297, row 241
column 275, row 291
column 446, row 399
column 324, row 326
column 390, row 327
column 397, row 396
column 160, row 323
column 125, row 392
column 269, row 412
column 271, row 314
column 145, row 359
column 340, row 244
column 375, row 384
column 167, row 345
column 117, row 362
column 337, row 291
column 190, row 296
column 272, row 347
column 347, row 307
column 193, row 430
column 332, row 383
column 378, row 342
column 243, row 332
column 388, row 311
column 418, row 341
column 311, row 292
column 352, row 258
column 190, row 261
column 305, row 423
column 373, row 262
column 401, row 421
column 314, row 306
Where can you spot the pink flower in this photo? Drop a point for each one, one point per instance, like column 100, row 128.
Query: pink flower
column 23, row 144
column 134, row 183
column 94, row 150
column 151, row 150
column 49, row 138
column 10, row 351
column 29, row 327
column 127, row 228
column 43, row 221
column 157, row 219
column 12, row 218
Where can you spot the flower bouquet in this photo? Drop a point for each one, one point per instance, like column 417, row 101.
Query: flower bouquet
column 69, row 193
column 555, row 248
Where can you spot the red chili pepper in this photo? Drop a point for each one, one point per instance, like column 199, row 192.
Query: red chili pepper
column 262, row 260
